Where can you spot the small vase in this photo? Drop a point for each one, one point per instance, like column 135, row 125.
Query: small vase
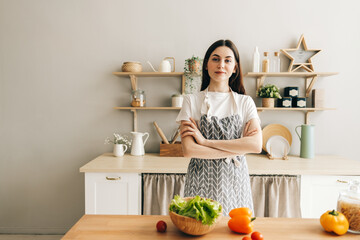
column 268, row 102
column 119, row 150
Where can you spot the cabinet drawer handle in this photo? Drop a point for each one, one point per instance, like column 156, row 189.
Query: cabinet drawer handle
column 113, row 178
column 341, row 181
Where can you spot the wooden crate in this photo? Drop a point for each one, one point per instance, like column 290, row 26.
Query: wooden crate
column 171, row 150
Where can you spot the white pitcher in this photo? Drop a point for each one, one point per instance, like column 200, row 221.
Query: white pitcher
column 137, row 145
column 119, row 150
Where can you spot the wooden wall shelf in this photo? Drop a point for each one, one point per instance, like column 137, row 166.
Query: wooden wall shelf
column 290, row 74
column 260, row 77
column 149, row 74
column 134, row 110
column 134, row 82
column 260, row 109
column 147, row 108
column 310, row 79
column 134, row 77
column 306, row 110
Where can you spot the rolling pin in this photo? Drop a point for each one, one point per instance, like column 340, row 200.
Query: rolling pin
column 161, row 134
column 176, row 136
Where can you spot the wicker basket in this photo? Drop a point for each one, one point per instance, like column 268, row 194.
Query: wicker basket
column 131, row 67
column 268, row 102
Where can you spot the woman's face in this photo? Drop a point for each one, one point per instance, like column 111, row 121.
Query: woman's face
column 221, row 64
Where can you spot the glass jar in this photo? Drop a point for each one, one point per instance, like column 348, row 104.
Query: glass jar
column 349, row 205
column 138, row 98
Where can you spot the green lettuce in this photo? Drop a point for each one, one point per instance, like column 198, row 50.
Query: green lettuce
column 204, row 210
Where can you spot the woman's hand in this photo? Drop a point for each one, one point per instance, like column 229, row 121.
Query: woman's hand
column 190, row 128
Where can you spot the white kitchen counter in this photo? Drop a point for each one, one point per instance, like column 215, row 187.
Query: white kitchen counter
column 258, row 164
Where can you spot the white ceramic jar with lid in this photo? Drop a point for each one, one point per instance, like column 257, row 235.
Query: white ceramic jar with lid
column 177, row 100
column 349, row 205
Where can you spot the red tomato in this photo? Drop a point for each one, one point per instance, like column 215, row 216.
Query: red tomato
column 246, row 238
column 257, row 236
column 161, row 226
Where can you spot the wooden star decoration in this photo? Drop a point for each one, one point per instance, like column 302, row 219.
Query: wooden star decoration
column 300, row 56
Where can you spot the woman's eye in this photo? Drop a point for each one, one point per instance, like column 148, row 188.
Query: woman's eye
column 215, row 59
column 228, row 60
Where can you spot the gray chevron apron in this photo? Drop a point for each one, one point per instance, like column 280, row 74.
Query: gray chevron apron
column 225, row 180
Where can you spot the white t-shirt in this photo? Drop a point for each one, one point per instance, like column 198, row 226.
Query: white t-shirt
column 221, row 105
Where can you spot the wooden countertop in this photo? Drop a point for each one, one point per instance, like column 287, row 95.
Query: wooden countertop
column 106, row 227
column 258, row 164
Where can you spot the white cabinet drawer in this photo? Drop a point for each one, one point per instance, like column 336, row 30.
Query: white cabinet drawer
column 320, row 193
column 113, row 193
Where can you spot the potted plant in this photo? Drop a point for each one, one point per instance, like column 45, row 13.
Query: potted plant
column 193, row 65
column 193, row 72
column 268, row 93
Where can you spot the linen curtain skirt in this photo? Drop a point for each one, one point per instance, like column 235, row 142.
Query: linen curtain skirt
column 273, row 195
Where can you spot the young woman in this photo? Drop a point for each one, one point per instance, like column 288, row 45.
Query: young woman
column 218, row 126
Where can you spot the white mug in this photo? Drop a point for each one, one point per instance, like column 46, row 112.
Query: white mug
column 119, row 150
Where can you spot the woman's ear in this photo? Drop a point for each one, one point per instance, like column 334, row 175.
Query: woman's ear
column 235, row 68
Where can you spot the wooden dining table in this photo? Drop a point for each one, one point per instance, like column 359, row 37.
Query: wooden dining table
column 108, row 227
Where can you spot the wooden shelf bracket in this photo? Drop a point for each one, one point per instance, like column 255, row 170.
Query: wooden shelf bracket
column 183, row 84
column 259, row 82
column 307, row 116
column 310, row 86
column 135, row 120
column 134, row 86
column 133, row 80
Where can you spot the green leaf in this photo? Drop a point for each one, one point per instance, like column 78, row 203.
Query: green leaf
column 199, row 208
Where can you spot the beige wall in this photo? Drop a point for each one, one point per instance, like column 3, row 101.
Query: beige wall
column 57, row 91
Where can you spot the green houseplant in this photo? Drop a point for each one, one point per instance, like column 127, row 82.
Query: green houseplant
column 193, row 72
column 193, row 65
column 268, row 93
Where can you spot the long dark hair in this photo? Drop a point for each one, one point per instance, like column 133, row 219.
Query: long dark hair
column 236, row 82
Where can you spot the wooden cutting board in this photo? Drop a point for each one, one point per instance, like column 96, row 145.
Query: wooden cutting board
column 106, row 227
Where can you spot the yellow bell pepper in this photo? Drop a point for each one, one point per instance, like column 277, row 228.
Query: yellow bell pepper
column 334, row 221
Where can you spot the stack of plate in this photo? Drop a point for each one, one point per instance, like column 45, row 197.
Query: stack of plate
column 277, row 140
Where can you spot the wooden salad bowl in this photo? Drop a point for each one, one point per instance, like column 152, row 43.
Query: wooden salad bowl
column 190, row 225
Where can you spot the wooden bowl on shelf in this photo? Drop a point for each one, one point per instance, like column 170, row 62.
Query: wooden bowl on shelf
column 190, row 225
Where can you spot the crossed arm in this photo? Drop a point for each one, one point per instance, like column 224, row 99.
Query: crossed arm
column 195, row 145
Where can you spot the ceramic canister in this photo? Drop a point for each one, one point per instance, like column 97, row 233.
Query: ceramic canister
column 285, row 102
column 177, row 100
column 291, row 92
column 299, row 102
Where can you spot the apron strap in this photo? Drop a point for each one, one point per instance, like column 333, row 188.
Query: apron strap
column 205, row 107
